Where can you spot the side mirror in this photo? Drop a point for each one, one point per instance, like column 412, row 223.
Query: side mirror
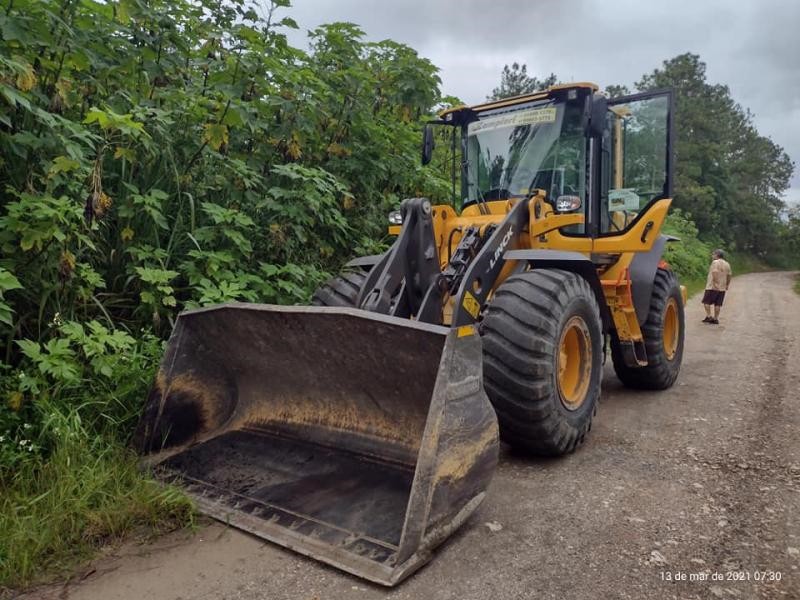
column 427, row 144
column 597, row 116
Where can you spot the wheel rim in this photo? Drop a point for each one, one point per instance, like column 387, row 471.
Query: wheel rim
column 671, row 329
column 574, row 363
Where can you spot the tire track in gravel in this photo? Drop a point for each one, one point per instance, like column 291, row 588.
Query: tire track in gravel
column 748, row 474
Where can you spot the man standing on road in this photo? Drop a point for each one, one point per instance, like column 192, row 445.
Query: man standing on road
column 719, row 278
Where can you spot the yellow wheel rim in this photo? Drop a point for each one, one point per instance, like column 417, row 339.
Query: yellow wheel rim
column 671, row 330
column 574, row 363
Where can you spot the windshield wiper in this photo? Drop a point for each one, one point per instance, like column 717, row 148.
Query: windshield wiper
column 481, row 200
column 473, row 184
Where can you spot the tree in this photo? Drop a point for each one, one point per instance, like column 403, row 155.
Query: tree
column 790, row 237
column 515, row 81
column 616, row 91
column 729, row 178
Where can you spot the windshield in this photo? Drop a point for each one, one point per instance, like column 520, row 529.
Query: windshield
column 539, row 146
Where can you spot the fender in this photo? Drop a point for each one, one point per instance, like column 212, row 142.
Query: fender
column 643, row 274
column 575, row 262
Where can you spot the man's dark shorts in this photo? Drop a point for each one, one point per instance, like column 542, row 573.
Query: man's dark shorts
column 714, row 297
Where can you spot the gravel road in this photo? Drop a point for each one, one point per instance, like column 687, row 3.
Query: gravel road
column 689, row 493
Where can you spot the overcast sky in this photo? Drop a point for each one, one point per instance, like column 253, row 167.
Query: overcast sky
column 753, row 46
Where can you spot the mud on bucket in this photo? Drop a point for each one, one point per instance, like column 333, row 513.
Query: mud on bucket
column 359, row 439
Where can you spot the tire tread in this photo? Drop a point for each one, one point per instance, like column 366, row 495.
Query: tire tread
column 341, row 290
column 520, row 335
column 660, row 373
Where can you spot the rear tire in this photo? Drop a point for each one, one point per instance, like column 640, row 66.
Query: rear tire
column 663, row 343
column 341, row 290
column 542, row 360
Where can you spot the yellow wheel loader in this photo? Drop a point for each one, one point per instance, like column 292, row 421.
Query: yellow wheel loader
column 363, row 430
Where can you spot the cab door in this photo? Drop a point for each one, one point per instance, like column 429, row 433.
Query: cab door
column 636, row 162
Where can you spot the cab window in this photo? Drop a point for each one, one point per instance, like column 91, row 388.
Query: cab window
column 636, row 164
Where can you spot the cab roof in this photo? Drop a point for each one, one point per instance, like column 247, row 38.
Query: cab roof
column 581, row 85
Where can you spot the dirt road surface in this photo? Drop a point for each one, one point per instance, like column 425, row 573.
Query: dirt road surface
column 701, row 482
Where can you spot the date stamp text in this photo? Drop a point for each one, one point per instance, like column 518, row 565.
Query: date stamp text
column 708, row 575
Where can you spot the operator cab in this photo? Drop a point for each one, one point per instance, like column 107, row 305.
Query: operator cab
column 608, row 159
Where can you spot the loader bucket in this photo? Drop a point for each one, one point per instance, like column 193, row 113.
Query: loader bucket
column 358, row 439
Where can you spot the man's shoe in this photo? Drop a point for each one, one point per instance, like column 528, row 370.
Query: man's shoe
column 714, row 321
column 708, row 320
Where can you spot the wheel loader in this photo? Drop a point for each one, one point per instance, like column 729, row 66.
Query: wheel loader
column 364, row 429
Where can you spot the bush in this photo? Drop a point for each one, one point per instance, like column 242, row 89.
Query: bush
column 689, row 257
column 158, row 156
column 100, row 374
column 68, row 481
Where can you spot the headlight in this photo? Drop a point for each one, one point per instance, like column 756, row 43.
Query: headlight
column 566, row 204
column 395, row 218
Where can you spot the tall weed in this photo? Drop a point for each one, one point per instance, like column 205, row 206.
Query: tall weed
column 55, row 511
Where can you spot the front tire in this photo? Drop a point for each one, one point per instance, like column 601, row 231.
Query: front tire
column 663, row 333
column 341, row 290
column 542, row 360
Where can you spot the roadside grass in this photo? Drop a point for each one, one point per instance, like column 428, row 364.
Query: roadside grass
column 56, row 512
column 745, row 263
column 797, row 285
column 741, row 264
column 694, row 286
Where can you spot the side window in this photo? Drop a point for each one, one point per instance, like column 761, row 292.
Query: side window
column 636, row 151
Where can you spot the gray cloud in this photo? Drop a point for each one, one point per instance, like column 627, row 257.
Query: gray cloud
column 751, row 45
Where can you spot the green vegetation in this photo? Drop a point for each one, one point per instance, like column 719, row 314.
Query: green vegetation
column 158, row 155
column 746, row 263
column 690, row 257
column 89, row 492
column 67, row 482
column 790, row 239
column 729, row 179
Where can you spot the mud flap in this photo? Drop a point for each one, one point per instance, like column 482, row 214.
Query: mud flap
column 359, row 439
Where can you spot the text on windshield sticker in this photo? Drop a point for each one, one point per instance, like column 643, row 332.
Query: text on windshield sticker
column 532, row 116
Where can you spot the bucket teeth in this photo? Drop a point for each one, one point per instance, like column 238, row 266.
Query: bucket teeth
column 295, row 525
